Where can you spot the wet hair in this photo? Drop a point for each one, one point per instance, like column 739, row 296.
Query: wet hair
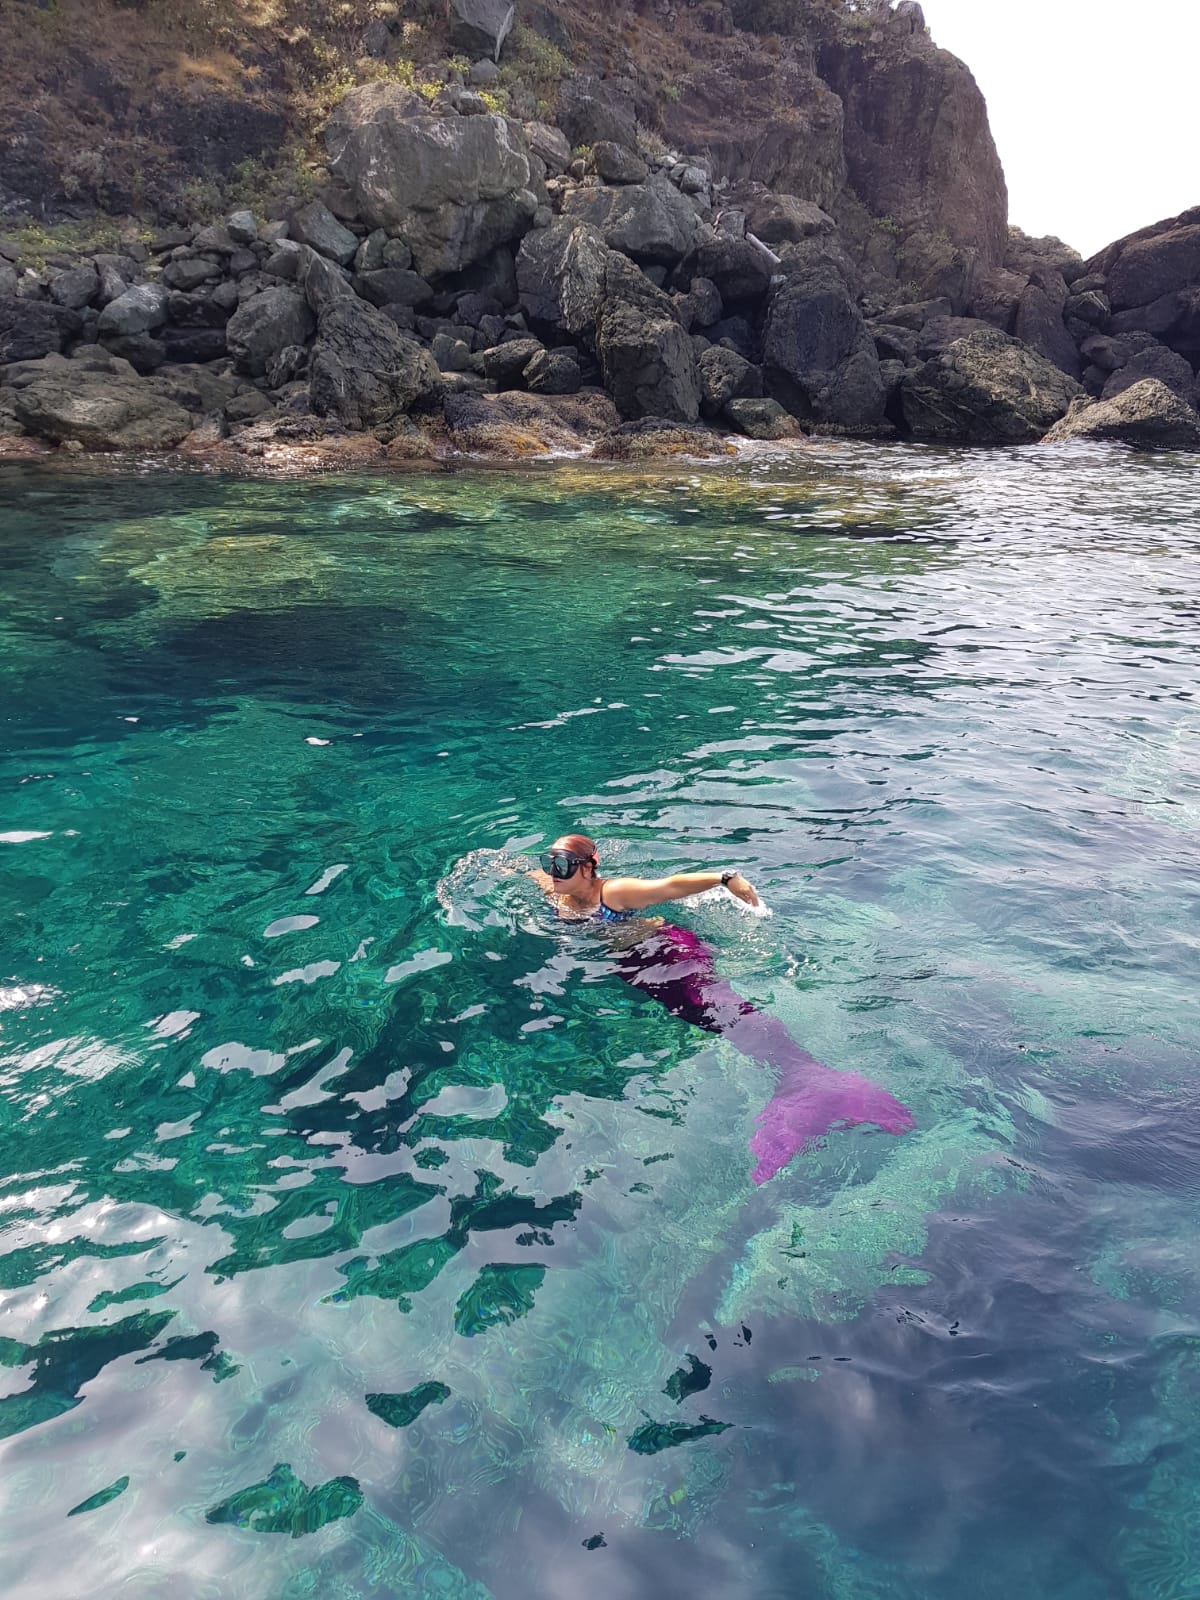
column 579, row 845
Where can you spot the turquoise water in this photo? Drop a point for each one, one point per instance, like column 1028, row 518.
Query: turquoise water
column 361, row 1235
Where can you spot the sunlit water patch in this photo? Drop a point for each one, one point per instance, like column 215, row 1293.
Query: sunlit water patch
column 362, row 1234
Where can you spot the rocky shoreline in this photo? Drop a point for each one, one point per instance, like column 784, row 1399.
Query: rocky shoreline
column 473, row 285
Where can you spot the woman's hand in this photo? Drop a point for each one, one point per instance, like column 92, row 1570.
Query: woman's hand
column 742, row 890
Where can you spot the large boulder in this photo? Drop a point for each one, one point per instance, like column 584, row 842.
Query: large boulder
column 548, row 144
column 820, row 359
column 726, row 376
column 452, row 188
column 647, row 360
column 266, row 324
column 986, row 389
column 741, row 269
column 651, row 221
column 101, row 412
column 1148, row 266
column 1039, row 323
column 560, row 274
column 761, row 419
column 615, row 163
column 505, row 364
column 1148, row 415
column 33, row 328
column 785, row 219
column 996, row 296
column 364, row 371
column 1174, row 318
column 316, row 226
column 76, row 287
column 480, row 27
column 594, row 111
column 1155, row 361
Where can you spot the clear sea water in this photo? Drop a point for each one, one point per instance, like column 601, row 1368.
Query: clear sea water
column 360, row 1235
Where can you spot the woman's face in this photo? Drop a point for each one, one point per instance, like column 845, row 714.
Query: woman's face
column 561, row 856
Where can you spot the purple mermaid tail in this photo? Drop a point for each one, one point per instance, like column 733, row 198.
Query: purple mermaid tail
column 675, row 967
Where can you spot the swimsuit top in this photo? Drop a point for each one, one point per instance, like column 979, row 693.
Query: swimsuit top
column 602, row 913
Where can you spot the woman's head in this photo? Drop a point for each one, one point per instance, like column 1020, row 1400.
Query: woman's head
column 569, row 854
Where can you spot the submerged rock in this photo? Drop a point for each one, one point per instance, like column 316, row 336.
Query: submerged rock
column 1147, row 415
column 986, row 389
column 657, row 439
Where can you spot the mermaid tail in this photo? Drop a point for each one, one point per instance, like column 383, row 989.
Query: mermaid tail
column 675, row 967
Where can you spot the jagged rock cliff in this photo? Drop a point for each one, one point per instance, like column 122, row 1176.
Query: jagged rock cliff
column 801, row 226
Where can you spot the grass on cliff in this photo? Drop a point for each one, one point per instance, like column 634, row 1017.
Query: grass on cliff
column 184, row 108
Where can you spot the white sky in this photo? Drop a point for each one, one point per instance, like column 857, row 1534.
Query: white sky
column 1092, row 105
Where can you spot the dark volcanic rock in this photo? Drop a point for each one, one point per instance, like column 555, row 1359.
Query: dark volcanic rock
column 554, row 372
column 762, row 419
column 820, row 360
column 725, row 376
column 394, row 286
column 616, row 164
column 647, row 359
column 701, row 306
column 1039, row 324
column 264, row 326
column 1154, row 362
column 1146, row 268
column 75, row 288
column 316, row 226
column 101, row 412
column 452, row 188
column 505, row 364
column 986, row 389
column 783, row 219
column 363, row 370
column 596, row 111
column 652, row 222
column 480, row 27
column 190, row 344
column 33, row 328
column 143, row 351
column 560, row 272
column 739, row 268
column 1148, row 415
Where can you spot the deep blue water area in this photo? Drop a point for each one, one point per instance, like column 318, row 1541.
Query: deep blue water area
column 361, row 1234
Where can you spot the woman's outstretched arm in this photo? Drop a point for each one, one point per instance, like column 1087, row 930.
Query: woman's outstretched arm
column 635, row 894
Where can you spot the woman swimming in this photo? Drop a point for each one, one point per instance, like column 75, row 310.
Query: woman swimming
column 675, row 967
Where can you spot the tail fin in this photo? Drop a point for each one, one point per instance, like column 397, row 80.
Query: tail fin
column 808, row 1102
